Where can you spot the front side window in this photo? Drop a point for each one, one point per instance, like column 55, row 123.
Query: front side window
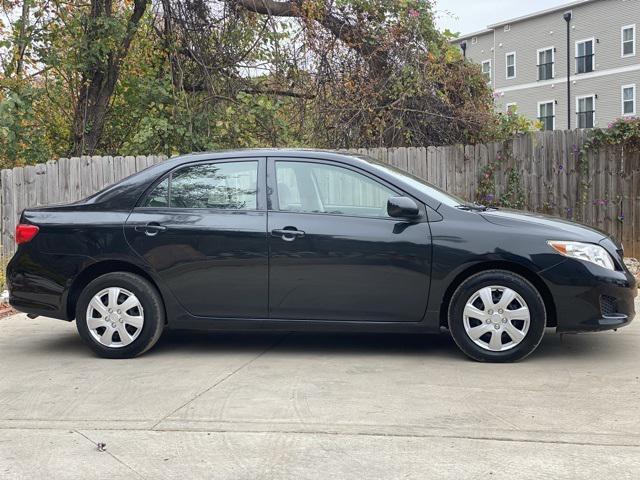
column 584, row 56
column 308, row 187
column 586, row 112
column 545, row 64
column 547, row 115
column 486, row 69
column 511, row 65
column 629, row 41
column 230, row 186
column 629, row 100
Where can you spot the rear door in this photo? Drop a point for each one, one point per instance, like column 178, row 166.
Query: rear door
column 203, row 230
column 335, row 254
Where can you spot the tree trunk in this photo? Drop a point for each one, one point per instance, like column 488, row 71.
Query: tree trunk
column 16, row 66
column 100, row 78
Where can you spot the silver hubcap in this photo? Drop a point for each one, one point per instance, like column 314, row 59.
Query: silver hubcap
column 496, row 318
column 115, row 317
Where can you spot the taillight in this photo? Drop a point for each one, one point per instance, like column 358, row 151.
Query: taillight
column 25, row 232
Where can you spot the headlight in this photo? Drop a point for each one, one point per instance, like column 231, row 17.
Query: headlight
column 584, row 251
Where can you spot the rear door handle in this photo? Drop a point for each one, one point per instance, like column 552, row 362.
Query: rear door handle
column 288, row 234
column 150, row 229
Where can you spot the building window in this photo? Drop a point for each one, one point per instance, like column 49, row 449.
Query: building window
column 546, row 59
column 585, row 56
column 512, row 108
column 486, row 69
column 586, row 111
column 547, row 114
column 628, row 100
column 629, row 41
column 511, row 65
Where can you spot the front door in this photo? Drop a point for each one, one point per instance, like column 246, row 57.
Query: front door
column 203, row 230
column 335, row 254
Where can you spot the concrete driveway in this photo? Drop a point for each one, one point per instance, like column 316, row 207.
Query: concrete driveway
column 321, row 406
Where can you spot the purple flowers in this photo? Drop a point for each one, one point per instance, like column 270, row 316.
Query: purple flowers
column 569, row 213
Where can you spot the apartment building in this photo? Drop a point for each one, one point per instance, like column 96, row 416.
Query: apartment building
column 525, row 59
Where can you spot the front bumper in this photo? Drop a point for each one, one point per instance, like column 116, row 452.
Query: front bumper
column 590, row 298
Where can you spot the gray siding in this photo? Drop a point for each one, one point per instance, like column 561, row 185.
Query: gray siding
column 525, row 39
column 482, row 51
column 608, row 103
column 601, row 20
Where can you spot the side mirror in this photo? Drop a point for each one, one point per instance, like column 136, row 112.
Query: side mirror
column 402, row 207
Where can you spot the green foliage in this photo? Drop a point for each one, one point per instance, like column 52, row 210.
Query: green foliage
column 624, row 132
column 21, row 137
column 509, row 124
column 229, row 78
column 513, row 195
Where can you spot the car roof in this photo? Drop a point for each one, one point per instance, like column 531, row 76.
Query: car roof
column 270, row 152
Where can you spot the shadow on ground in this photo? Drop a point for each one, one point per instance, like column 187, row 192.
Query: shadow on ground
column 442, row 346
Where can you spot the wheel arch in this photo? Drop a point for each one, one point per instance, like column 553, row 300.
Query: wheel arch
column 97, row 269
column 532, row 277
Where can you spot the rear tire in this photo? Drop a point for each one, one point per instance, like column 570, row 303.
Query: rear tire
column 120, row 315
column 497, row 316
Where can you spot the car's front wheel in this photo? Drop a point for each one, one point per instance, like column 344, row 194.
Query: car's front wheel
column 497, row 316
column 120, row 315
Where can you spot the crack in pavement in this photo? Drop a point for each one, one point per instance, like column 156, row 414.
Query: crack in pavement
column 121, row 462
column 223, row 379
column 344, row 434
column 410, row 435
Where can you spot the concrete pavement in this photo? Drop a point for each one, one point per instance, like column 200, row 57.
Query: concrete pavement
column 316, row 406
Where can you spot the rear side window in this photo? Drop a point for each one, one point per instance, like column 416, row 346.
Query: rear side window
column 159, row 196
column 231, row 186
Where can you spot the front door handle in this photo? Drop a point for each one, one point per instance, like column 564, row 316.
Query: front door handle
column 288, row 234
column 151, row 229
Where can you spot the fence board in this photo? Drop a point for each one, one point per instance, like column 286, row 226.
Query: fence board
column 30, row 193
column 41, row 184
column 8, row 215
column 634, row 219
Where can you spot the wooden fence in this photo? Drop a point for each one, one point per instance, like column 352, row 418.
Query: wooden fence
column 600, row 188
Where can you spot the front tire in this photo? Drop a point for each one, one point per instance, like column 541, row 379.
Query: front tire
column 497, row 316
column 120, row 315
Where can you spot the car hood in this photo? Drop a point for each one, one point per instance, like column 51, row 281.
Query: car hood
column 555, row 228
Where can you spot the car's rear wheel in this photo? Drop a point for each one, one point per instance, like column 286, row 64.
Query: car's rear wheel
column 120, row 315
column 497, row 316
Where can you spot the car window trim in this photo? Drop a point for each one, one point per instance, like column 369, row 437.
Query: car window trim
column 272, row 187
column 261, row 204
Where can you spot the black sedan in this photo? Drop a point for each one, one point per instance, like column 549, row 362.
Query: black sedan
column 310, row 240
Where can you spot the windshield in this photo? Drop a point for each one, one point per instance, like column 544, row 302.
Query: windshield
column 422, row 185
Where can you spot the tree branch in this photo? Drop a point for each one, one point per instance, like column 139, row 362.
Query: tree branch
column 279, row 92
column 270, row 7
column 352, row 36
